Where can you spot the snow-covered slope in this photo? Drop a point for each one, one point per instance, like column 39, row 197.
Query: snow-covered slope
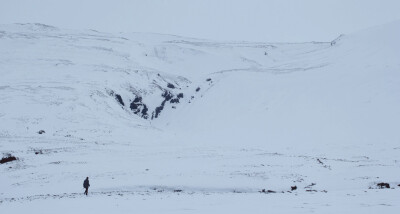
column 147, row 115
column 317, row 95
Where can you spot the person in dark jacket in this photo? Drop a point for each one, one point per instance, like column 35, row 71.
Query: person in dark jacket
column 86, row 185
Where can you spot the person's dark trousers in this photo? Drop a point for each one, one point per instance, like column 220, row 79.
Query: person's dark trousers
column 86, row 191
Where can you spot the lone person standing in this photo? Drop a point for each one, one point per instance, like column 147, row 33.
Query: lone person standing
column 86, row 185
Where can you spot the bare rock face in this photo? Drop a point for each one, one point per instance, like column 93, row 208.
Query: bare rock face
column 139, row 108
column 168, row 96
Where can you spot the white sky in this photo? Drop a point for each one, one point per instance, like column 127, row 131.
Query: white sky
column 252, row 20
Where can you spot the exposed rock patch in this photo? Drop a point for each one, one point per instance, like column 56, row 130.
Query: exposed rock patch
column 38, row 152
column 168, row 96
column 116, row 96
column 139, row 108
column 383, row 185
column 119, row 99
column 170, row 85
column 7, row 159
column 267, row 191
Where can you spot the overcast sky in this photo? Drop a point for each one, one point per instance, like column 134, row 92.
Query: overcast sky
column 252, row 20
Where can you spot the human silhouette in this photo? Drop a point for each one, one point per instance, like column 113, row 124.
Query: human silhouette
column 86, row 185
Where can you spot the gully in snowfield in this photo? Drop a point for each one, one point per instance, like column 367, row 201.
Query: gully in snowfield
column 86, row 185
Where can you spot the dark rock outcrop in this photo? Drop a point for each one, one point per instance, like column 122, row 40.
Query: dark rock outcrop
column 168, row 96
column 119, row 99
column 116, row 96
column 383, row 185
column 170, row 85
column 139, row 108
column 7, row 159
column 175, row 100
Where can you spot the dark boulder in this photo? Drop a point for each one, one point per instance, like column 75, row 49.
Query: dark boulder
column 7, row 159
column 383, row 185
column 170, row 86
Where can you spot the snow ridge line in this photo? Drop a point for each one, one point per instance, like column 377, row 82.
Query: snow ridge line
column 271, row 70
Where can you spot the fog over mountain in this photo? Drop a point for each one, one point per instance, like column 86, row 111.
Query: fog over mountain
column 222, row 20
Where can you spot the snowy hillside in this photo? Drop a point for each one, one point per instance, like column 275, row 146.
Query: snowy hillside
column 162, row 123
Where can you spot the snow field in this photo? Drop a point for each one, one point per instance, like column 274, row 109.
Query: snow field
column 254, row 116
